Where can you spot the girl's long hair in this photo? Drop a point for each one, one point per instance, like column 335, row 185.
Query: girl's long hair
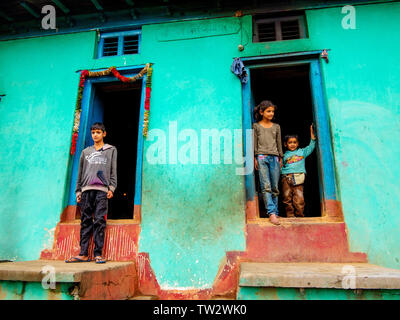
column 262, row 106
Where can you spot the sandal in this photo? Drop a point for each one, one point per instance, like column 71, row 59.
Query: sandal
column 100, row 259
column 76, row 259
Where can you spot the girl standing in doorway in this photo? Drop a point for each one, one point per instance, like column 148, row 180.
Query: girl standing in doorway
column 268, row 155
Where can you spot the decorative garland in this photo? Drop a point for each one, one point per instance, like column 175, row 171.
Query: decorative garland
column 111, row 70
column 147, row 101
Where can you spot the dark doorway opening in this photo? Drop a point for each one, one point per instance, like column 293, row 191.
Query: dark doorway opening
column 119, row 105
column 288, row 87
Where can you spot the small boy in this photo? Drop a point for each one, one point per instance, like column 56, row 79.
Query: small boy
column 293, row 174
column 96, row 183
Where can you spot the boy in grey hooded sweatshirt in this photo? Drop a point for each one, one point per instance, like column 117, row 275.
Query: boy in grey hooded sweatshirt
column 96, row 183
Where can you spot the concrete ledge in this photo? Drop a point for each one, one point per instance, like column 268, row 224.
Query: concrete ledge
column 65, row 272
column 318, row 275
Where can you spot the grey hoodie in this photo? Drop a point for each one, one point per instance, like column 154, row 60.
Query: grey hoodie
column 97, row 169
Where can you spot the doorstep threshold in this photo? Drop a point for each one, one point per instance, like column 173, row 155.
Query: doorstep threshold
column 36, row 270
column 318, row 275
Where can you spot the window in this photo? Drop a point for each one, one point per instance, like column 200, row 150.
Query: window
column 119, row 43
column 279, row 27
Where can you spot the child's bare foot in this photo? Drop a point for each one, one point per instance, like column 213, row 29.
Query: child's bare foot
column 274, row 220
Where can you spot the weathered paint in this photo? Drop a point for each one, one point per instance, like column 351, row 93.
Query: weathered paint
column 254, row 293
column 312, row 241
column 225, row 284
column 120, row 242
column 185, row 226
column 297, row 242
column 39, row 79
column 20, row 290
column 120, row 284
column 192, row 215
column 361, row 84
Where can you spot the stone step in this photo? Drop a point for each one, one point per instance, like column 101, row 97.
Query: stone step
column 144, row 298
column 290, row 242
column 111, row 280
column 318, row 275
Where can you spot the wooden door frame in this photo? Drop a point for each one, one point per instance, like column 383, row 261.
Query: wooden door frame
column 330, row 206
column 87, row 106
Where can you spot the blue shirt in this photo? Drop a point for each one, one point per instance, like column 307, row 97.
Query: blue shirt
column 294, row 161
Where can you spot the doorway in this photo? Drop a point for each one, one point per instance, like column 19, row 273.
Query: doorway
column 117, row 105
column 288, row 87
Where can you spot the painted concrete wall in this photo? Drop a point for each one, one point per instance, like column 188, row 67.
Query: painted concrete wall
column 39, row 80
column 192, row 84
column 18, row 290
column 362, row 90
column 198, row 55
column 254, row 293
column 362, row 81
column 193, row 214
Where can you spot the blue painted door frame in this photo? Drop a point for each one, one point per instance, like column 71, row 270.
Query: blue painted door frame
column 91, row 112
column 324, row 148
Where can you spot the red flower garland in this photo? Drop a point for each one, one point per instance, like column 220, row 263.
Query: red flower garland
column 119, row 76
column 84, row 74
column 73, row 143
column 147, row 101
column 113, row 70
column 147, row 98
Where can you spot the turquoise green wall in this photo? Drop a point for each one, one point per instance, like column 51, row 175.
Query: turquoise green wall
column 36, row 115
column 18, row 290
column 193, row 214
column 362, row 81
column 255, row 293
column 189, row 224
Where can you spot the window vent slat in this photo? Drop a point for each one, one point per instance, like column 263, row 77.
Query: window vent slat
column 119, row 43
column 290, row 30
column 279, row 26
column 131, row 44
column 110, row 46
column 266, row 32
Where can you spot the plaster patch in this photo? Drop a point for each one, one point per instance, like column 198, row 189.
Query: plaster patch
column 167, row 287
column 48, row 238
column 365, row 137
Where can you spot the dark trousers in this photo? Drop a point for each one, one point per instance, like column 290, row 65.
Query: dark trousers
column 293, row 197
column 93, row 203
